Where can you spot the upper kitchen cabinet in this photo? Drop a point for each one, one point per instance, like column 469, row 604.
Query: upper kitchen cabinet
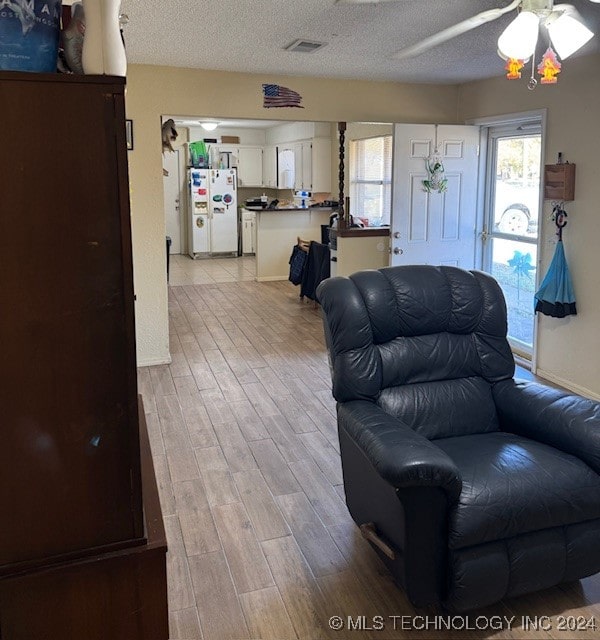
column 299, row 166
column 250, row 167
column 285, row 167
column 270, row 167
column 226, row 157
column 313, row 165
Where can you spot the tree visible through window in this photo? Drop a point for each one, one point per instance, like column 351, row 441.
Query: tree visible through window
column 371, row 179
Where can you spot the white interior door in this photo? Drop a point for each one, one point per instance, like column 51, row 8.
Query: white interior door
column 172, row 194
column 434, row 228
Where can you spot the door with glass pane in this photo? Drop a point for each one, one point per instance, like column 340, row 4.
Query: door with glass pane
column 511, row 231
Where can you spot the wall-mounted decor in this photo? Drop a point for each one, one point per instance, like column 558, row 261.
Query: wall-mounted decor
column 275, row 95
column 436, row 181
column 169, row 135
column 129, row 134
column 559, row 181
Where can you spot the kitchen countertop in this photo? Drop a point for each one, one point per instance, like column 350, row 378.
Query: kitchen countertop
column 260, row 209
column 359, row 232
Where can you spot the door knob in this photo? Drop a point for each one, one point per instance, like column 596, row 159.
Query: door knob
column 396, row 234
column 398, row 251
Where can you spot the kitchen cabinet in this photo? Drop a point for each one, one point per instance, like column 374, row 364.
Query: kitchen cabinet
column 321, row 165
column 250, row 167
column 298, row 166
column 228, row 155
column 312, row 165
column 285, row 167
column 82, row 551
column 307, row 174
column 270, row 167
column 248, row 232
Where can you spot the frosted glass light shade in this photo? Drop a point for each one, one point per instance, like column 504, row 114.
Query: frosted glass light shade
column 209, row 126
column 518, row 40
column 568, row 35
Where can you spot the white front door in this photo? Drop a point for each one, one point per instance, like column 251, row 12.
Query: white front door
column 434, row 228
column 172, row 193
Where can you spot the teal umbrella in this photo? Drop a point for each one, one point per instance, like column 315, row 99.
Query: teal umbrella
column 556, row 297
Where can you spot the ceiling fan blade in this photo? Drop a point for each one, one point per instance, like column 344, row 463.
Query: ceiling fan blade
column 376, row 1
column 454, row 31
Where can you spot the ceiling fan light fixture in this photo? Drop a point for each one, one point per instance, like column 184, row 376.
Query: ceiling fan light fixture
column 209, row 126
column 568, row 34
column 519, row 39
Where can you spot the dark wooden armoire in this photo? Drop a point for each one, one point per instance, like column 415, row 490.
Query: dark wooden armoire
column 82, row 545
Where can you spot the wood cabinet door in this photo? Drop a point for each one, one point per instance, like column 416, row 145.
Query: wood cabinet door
column 70, row 449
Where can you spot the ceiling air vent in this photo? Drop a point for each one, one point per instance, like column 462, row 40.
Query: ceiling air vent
column 305, row 46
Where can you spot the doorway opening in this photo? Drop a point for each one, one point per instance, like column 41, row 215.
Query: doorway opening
column 511, row 227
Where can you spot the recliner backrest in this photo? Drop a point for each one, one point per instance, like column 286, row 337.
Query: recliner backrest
column 423, row 342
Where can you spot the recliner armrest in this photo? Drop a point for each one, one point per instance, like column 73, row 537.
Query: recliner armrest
column 401, row 456
column 566, row 421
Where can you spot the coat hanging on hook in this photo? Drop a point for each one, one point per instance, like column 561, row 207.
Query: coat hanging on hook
column 556, row 297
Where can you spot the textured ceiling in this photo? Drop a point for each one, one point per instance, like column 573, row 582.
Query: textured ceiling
column 250, row 36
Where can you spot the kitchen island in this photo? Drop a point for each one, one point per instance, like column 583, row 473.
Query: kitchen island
column 354, row 249
column 277, row 231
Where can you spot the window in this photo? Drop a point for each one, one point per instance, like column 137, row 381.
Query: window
column 371, row 180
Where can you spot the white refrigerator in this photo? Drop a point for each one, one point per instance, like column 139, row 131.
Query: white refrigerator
column 213, row 216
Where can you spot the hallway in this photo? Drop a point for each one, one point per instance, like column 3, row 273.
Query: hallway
column 183, row 270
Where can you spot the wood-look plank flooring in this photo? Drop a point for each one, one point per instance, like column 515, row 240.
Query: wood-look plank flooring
column 243, row 434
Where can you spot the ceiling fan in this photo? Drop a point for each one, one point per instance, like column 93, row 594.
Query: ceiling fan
column 566, row 30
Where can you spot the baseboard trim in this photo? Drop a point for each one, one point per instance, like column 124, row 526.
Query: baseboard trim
column 521, row 361
column 151, row 362
column 582, row 391
column 271, row 278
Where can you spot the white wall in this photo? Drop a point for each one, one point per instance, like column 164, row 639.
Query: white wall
column 290, row 132
column 246, row 136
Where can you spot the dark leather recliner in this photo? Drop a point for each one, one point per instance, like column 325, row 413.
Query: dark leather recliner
column 472, row 486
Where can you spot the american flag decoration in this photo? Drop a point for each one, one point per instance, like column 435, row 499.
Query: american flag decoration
column 277, row 96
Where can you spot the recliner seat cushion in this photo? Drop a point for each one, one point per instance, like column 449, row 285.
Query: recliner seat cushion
column 513, row 485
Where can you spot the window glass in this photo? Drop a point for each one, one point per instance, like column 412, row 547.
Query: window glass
column 371, row 180
column 511, row 238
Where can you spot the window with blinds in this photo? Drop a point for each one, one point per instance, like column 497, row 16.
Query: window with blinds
column 371, row 179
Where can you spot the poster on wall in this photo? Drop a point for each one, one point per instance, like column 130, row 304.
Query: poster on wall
column 275, row 95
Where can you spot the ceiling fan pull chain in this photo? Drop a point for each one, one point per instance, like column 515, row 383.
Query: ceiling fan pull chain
column 532, row 84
